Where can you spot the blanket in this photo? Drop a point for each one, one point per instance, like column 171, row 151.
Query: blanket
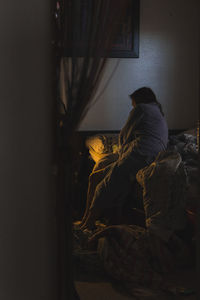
column 102, row 147
column 129, row 254
column 112, row 179
column 164, row 191
column 137, row 256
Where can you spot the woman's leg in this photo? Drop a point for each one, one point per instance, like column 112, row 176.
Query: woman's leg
column 112, row 191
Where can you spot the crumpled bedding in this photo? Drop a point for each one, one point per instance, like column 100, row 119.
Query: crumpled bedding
column 133, row 255
column 164, row 190
column 140, row 256
column 130, row 255
column 111, row 180
column 186, row 144
column 102, row 146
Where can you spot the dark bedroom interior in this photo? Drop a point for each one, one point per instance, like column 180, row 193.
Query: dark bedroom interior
column 143, row 52
column 100, row 150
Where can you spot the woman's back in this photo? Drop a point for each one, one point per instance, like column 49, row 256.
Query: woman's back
column 147, row 127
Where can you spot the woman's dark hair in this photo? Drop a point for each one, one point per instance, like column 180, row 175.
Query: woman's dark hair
column 146, row 95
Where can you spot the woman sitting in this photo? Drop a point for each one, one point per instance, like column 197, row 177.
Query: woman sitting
column 144, row 135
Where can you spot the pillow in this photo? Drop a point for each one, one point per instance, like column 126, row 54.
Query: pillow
column 103, row 144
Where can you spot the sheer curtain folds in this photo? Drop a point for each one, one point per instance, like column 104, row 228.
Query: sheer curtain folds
column 90, row 27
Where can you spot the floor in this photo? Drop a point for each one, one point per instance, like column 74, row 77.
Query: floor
column 103, row 289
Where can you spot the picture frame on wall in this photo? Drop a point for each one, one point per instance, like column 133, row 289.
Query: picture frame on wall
column 127, row 41
column 126, row 44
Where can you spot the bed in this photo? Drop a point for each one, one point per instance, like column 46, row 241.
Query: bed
column 184, row 144
column 159, row 244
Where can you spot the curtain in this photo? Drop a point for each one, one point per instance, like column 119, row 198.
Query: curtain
column 86, row 30
column 90, row 27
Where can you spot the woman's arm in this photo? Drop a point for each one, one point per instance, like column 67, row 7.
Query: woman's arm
column 134, row 120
